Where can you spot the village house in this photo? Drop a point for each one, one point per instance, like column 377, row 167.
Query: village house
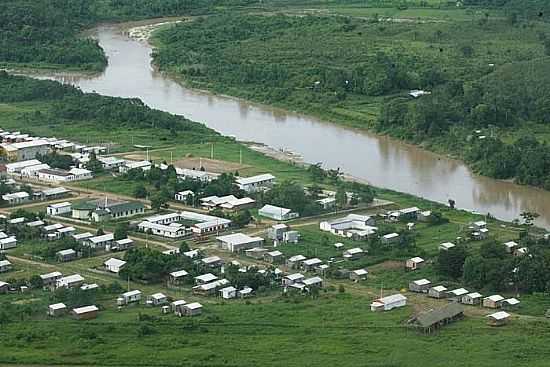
column 184, row 196
column 165, row 219
column 209, row 289
column 66, row 255
column 228, row 203
column 494, row 301
column 5, row 266
column 511, row 246
column 424, row 216
column 59, row 208
column 311, row 264
column 390, row 238
column 128, row 165
column 295, row 261
column 292, row 237
column 479, row 225
column 59, row 176
column 205, row 224
column 457, row 294
column 521, row 251
column 4, row 287
column 129, row 297
column 358, row 275
column 446, row 246
column 238, row 242
column 276, row 231
column 52, row 193
column 8, row 243
column 482, row 234
column 177, row 277
column 49, row 280
column 85, row 313
column 212, row 262
column 432, row 320
column 327, row 203
column 111, row 163
column 71, row 281
column 353, row 253
column 314, row 282
column 414, row 263
column 16, row 198
column 274, row 257
column 114, row 265
column 205, row 278
column 292, row 279
column 157, row 299
column 32, row 171
column 510, row 304
column 117, row 210
column 101, row 241
column 173, row 230
column 408, row 213
column 66, row 232
column 89, row 287
column 256, row 252
column 177, row 307
column 420, row 286
column 498, row 318
column 57, row 309
column 228, row 292
column 438, row 292
column 255, row 183
column 120, row 245
column 82, row 237
column 194, row 174
column 35, row 224
column 245, row 292
column 388, row 303
column 277, row 213
column 192, row 309
column 353, row 226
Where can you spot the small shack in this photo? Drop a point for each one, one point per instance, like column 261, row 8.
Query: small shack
column 420, row 286
column 228, row 292
column 498, row 318
column 192, row 309
column 157, row 299
column 85, row 313
column 494, row 301
column 358, row 275
column 438, row 292
column 274, row 257
column 65, row 255
column 57, row 309
column 472, row 299
column 414, row 263
column 510, row 304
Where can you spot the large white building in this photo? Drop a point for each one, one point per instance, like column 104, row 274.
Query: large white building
column 277, row 213
column 238, row 242
column 256, row 183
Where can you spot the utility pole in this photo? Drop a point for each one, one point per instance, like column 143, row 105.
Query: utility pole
column 241, row 156
column 212, row 151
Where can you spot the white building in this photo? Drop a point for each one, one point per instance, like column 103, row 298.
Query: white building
column 256, row 183
column 114, row 265
column 70, row 281
column 16, row 198
column 7, row 243
column 238, row 242
column 277, row 213
column 173, row 230
column 59, row 208
column 17, row 167
column 128, row 165
column 388, row 303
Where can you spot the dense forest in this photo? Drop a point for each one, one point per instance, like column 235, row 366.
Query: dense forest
column 67, row 106
column 48, row 32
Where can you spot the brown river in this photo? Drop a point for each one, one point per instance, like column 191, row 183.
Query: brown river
column 381, row 161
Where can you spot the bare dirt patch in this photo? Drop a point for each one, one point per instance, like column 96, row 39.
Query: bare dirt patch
column 388, row 265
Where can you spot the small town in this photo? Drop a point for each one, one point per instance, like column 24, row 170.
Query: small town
column 274, row 183
column 98, row 252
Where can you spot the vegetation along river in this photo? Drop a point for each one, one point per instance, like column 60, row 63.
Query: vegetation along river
column 381, row 161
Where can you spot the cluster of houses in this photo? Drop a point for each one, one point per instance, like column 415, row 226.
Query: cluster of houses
column 33, row 169
column 178, row 225
column 21, row 197
column 465, row 297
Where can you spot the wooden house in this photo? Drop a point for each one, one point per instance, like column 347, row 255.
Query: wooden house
column 85, row 313
column 57, row 309
column 494, row 301
column 438, row 292
column 498, row 318
column 414, row 263
column 420, row 286
column 358, row 275
column 434, row 319
column 472, row 299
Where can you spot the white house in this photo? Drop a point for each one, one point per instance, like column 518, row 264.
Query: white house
column 390, row 238
column 70, row 281
column 5, row 265
column 59, row 208
column 100, row 241
column 17, row 167
column 128, row 165
column 446, row 246
column 228, row 292
column 7, row 243
column 205, row 223
column 173, row 230
column 114, row 265
column 183, row 195
column 256, row 183
column 131, row 297
column 388, row 303
column 277, row 213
